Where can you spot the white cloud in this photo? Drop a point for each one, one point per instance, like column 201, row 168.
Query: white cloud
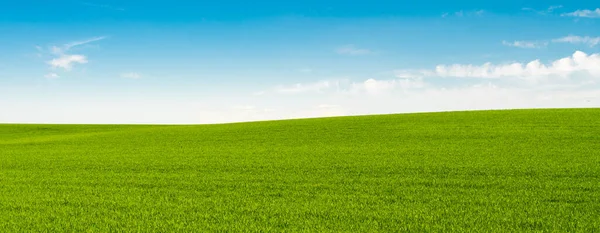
column 370, row 86
column 590, row 41
column 373, row 86
column 62, row 58
column 51, row 76
column 131, row 75
column 353, row 50
column 584, row 13
column 66, row 61
column 526, row 44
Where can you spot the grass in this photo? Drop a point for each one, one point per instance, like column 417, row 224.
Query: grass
column 490, row 171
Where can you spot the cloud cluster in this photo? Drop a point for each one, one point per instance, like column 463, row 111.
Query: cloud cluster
column 579, row 63
column 579, row 67
column 572, row 81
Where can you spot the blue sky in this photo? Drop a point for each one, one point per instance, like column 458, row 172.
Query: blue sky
column 226, row 61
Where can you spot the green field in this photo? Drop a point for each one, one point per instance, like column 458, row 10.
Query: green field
column 491, row 171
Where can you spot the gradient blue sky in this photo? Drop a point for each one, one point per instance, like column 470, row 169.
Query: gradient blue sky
column 224, row 61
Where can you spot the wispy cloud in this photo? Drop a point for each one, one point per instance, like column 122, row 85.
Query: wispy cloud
column 353, row 50
column 306, row 70
column 584, row 13
column 308, row 87
column 526, row 44
column 83, row 42
column 62, row 57
column 478, row 12
column 104, row 6
column 51, row 76
column 587, row 40
column 59, row 50
column 369, row 86
column 463, row 13
column 543, row 12
column 552, row 8
column 590, row 41
column 131, row 75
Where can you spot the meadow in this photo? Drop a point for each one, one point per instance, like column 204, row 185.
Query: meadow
column 474, row 171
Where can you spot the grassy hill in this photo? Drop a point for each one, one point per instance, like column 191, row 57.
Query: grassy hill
column 517, row 170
